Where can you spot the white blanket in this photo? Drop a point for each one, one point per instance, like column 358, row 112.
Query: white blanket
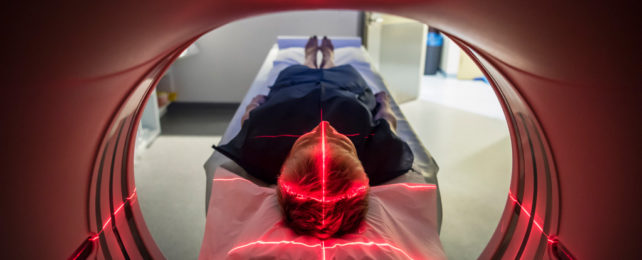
column 245, row 222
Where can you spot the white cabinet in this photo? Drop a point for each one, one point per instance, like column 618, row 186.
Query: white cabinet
column 397, row 46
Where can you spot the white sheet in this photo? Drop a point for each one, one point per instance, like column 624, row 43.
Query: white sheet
column 244, row 222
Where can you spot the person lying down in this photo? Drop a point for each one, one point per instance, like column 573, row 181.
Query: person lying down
column 327, row 145
column 323, row 138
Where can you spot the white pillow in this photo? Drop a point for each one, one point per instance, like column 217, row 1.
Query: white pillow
column 285, row 42
column 290, row 56
column 244, row 221
column 355, row 56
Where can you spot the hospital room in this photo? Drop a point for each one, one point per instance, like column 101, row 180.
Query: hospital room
column 450, row 110
column 321, row 129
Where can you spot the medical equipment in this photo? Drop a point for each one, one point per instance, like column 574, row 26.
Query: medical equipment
column 572, row 105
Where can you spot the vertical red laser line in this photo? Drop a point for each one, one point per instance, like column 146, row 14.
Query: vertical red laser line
column 323, row 171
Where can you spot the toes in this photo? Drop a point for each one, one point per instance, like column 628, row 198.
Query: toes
column 326, row 43
column 312, row 42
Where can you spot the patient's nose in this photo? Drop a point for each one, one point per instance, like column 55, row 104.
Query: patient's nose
column 329, row 129
column 325, row 125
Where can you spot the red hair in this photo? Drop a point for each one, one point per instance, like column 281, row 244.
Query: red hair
column 324, row 208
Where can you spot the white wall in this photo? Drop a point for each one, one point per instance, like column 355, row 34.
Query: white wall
column 230, row 56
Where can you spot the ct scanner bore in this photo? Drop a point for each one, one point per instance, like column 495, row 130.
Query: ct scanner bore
column 81, row 72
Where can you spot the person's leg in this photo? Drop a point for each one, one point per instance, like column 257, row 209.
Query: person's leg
column 311, row 49
column 328, row 53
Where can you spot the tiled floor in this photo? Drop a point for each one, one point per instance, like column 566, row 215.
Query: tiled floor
column 459, row 122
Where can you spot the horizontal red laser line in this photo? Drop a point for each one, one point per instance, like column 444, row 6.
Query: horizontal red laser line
column 231, row 179
column 291, row 135
column 322, row 245
column 537, row 224
column 118, row 209
column 259, row 242
column 415, row 185
column 372, row 244
column 325, row 199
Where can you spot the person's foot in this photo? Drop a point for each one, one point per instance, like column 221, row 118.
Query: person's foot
column 327, row 49
column 311, row 49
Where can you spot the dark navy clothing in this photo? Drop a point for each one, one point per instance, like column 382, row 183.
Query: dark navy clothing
column 299, row 99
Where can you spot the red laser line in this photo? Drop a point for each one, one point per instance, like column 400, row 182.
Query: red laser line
column 81, row 250
column 417, row 186
column 231, row 179
column 373, row 244
column 323, row 170
column 323, row 199
column 565, row 253
column 259, row 242
column 297, row 136
column 353, row 192
column 105, row 225
column 133, row 194
column 118, row 209
column 322, row 245
column 537, row 224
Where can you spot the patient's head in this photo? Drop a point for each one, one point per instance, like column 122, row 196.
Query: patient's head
column 323, row 187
